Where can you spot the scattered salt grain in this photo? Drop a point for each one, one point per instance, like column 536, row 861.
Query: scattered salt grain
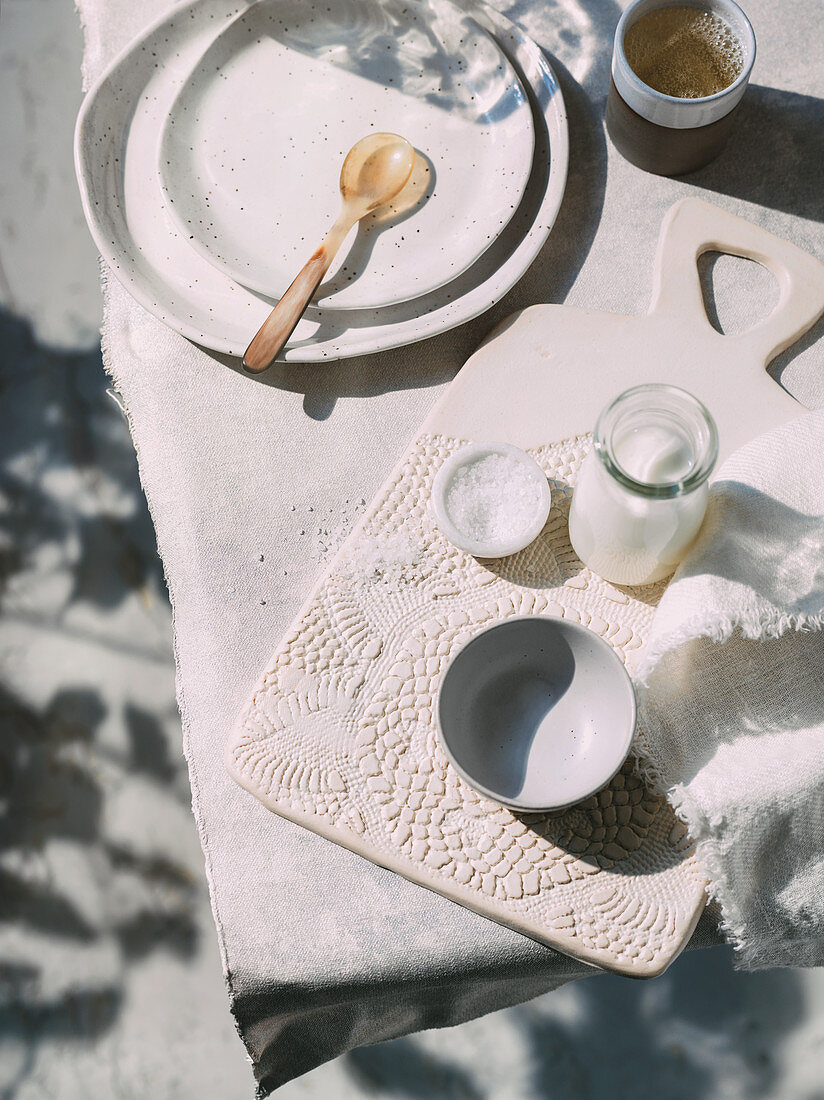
column 492, row 498
column 384, row 557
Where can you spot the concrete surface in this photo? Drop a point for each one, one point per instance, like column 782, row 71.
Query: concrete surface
column 110, row 981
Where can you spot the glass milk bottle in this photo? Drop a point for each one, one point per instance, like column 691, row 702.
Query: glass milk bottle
column 641, row 492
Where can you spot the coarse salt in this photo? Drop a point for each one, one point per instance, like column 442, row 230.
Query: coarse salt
column 383, row 557
column 492, row 498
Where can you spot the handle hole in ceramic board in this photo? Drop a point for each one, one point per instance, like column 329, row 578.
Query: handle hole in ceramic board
column 738, row 294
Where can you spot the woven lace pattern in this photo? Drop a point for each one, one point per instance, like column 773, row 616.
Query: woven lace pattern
column 340, row 733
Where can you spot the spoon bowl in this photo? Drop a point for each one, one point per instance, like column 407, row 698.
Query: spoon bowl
column 374, row 171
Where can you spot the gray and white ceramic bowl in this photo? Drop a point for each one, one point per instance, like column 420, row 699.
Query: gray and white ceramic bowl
column 536, row 713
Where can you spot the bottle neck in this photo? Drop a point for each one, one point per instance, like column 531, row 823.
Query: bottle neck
column 657, row 441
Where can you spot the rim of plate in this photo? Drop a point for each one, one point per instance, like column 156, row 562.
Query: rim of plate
column 547, row 105
column 171, row 191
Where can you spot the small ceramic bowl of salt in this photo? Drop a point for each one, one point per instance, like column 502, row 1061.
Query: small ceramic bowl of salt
column 491, row 499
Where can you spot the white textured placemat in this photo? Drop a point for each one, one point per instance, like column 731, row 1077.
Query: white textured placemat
column 340, row 733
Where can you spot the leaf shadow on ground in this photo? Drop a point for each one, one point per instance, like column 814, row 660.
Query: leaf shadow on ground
column 52, row 805
column 68, row 475
column 79, row 903
column 701, row 1029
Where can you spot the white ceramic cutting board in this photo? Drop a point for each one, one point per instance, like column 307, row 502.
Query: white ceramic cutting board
column 339, row 734
column 547, row 372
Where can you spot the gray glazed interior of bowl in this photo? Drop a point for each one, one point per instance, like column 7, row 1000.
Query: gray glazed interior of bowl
column 537, row 713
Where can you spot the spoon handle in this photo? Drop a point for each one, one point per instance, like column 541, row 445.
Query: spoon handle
column 279, row 325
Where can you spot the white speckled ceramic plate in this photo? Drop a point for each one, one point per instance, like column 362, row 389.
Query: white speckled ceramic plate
column 250, row 155
column 116, row 142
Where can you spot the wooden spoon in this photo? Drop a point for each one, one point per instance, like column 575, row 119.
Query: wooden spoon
column 375, row 170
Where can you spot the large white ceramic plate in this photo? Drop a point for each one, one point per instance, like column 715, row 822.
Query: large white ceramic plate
column 116, row 141
column 250, row 154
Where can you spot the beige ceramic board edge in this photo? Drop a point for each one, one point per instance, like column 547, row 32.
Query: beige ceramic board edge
column 546, row 372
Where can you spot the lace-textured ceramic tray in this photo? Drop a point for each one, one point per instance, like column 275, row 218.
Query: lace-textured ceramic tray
column 340, row 734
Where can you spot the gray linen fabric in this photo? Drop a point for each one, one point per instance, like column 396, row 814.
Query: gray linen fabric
column 250, row 480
